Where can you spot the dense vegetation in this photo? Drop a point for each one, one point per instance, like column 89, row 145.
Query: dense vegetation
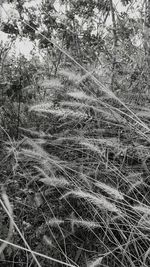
column 75, row 134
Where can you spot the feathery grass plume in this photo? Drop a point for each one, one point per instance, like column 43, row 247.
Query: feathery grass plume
column 35, row 134
column 38, row 199
column 45, row 172
column 110, row 190
column 82, row 96
column 50, row 179
column 40, row 141
column 95, row 263
column 32, row 132
column 60, row 139
column 84, row 223
column 74, row 77
column 48, row 241
column 99, row 200
column 52, row 83
column 36, row 148
column 98, row 112
column 36, row 153
column 29, row 155
column 110, row 142
column 55, row 182
column 142, row 209
column 91, row 147
column 86, row 106
column 41, row 106
column 54, row 222
column 59, row 112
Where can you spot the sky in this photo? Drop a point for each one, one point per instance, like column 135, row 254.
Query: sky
column 25, row 46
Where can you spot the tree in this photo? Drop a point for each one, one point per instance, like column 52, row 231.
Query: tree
column 78, row 29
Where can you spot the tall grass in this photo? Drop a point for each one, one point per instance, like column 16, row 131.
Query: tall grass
column 80, row 179
column 90, row 169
